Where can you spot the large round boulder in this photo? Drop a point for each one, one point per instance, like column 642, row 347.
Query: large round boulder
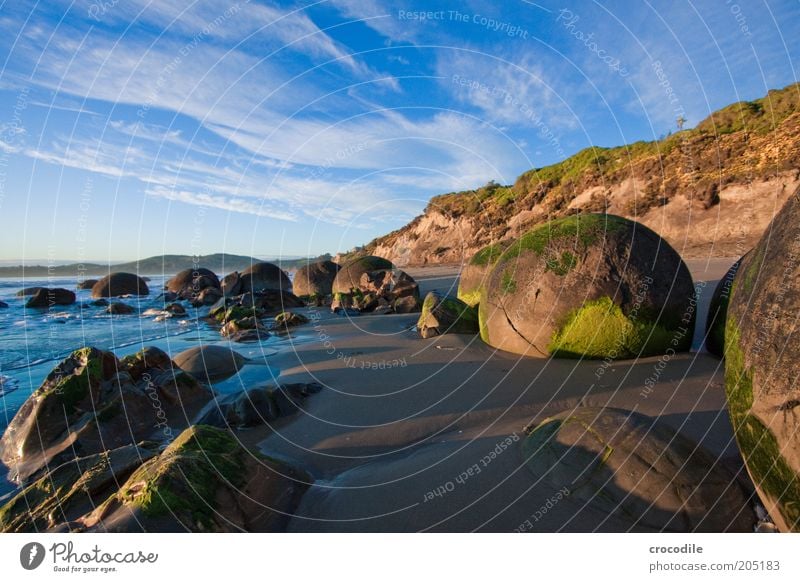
column 348, row 279
column 210, row 363
column 634, row 471
column 261, row 276
column 190, row 282
column 86, row 284
column 231, row 284
column 762, row 343
column 44, row 298
column 718, row 311
column 589, row 286
column 315, row 279
column 474, row 274
column 117, row 284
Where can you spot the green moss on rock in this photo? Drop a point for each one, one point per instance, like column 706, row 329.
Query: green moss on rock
column 585, row 229
column 185, row 478
column 487, row 256
column 600, row 329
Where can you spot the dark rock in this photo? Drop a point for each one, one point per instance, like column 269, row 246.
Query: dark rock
column 287, row 319
column 175, row 309
column 100, row 303
column 231, row 284
column 45, row 298
column 86, row 284
column 78, row 486
column 3, row 305
column 210, row 363
column 29, row 291
column 117, row 308
column 117, row 284
column 762, row 342
column 190, row 282
column 408, row 304
column 348, row 279
column 589, row 286
column 441, row 315
column 204, row 481
column 264, row 276
column 315, row 280
column 208, row 296
column 90, row 403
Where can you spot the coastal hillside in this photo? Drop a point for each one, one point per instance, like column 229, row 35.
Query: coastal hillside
column 710, row 190
column 220, row 263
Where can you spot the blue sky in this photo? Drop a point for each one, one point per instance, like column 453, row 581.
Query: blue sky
column 131, row 128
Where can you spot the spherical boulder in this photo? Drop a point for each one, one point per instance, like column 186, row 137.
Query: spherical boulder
column 86, row 284
column 315, row 279
column 629, row 469
column 348, row 279
column 762, row 341
column 475, row 273
column 441, row 315
column 117, row 284
column 190, row 282
column 718, row 311
column 44, row 298
column 231, row 284
column 29, row 291
column 261, row 276
column 210, row 363
column 589, row 286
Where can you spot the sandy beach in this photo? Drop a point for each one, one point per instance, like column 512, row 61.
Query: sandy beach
column 422, row 435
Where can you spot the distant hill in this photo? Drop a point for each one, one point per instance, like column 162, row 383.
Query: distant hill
column 220, row 263
column 710, row 191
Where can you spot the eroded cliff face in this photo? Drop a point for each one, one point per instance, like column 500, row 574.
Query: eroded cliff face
column 709, row 191
column 729, row 228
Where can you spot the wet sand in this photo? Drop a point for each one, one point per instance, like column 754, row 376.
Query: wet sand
column 401, row 417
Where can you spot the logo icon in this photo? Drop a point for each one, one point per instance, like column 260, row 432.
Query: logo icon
column 31, row 555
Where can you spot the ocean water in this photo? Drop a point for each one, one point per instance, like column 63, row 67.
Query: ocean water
column 34, row 341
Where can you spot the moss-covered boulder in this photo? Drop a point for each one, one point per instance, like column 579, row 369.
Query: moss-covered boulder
column 91, row 402
column 117, row 284
column 762, row 343
column 442, row 314
column 204, row 481
column 348, row 279
column 627, row 468
column 589, row 286
column 257, row 406
column 56, row 501
column 261, row 276
column 718, row 311
column 475, row 273
column 315, row 280
column 210, row 363
column 286, row 319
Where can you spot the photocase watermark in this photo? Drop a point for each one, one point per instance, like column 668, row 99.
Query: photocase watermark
column 152, row 392
column 472, row 471
column 551, row 502
column 492, row 24
column 740, row 18
column 569, row 20
column 98, row 9
column 527, row 112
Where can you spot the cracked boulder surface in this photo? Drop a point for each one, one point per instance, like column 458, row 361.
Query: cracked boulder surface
column 627, row 467
column 762, row 340
column 589, row 286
